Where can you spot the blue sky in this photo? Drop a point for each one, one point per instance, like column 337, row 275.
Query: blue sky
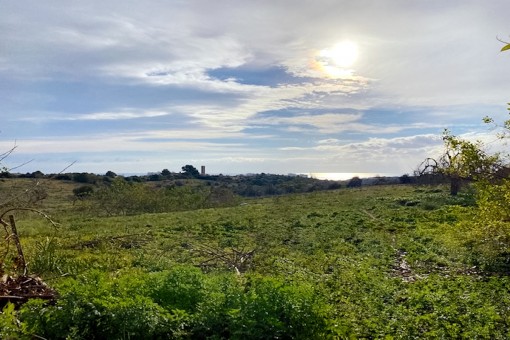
column 247, row 86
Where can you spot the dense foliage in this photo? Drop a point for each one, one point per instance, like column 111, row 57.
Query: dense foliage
column 251, row 185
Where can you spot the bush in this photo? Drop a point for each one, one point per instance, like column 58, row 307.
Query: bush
column 83, row 191
column 123, row 197
column 100, row 307
column 85, row 178
column 9, row 328
column 271, row 309
column 181, row 303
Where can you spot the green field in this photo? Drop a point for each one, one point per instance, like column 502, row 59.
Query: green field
column 372, row 262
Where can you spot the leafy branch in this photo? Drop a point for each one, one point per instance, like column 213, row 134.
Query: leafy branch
column 506, row 47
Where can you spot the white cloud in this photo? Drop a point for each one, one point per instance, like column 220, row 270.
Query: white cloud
column 328, row 141
column 157, row 140
column 331, row 123
column 435, row 54
column 118, row 115
column 378, row 155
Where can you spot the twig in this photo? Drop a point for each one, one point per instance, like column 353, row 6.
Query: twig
column 235, row 259
column 7, row 153
column 20, row 165
column 55, row 224
column 370, row 215
column 67, row 167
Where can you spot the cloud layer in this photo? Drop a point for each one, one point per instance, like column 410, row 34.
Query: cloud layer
column 136, row 87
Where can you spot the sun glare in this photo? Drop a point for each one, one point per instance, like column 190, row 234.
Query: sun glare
column 337, row 60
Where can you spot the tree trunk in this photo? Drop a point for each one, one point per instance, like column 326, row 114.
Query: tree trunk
column 454, row 186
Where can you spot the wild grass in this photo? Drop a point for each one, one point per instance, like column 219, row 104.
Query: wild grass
column 371, row 262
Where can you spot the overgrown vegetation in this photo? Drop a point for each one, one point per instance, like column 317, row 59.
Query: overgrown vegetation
column 371, row 262
column 251, row 185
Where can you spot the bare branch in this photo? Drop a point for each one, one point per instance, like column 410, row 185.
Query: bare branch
column 67, row 167
column 46, row 216
column 235, row 259
column 20, row 165
column 7, row 153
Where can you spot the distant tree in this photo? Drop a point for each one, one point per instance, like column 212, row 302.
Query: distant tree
column 5, row 174
column 166, row 172
column 37, row 174
column 63, row 177
column 334, row 185
column 355, row 182
column 84, row 178
column 190, row 171
column 111, row 174
column 134, row 179
column 405, row 179
column 155, row 177
column 461, row 160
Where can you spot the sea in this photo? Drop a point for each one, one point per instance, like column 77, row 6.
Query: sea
column 332, row 176
column 342, row 176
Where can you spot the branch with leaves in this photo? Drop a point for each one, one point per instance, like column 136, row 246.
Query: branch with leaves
column 461, row 160
column 506, row 47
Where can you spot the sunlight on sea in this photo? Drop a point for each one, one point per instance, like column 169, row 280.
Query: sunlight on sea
column 342, row 176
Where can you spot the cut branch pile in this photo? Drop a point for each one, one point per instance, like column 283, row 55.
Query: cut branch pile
column 19, row 289
column 237, row 260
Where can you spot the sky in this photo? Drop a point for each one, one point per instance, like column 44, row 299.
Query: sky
column 247, row 86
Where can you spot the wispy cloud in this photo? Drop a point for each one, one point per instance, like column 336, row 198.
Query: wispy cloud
column 117, row 115
column 240, row 81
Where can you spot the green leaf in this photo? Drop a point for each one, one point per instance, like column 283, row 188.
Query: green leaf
column 506, row 47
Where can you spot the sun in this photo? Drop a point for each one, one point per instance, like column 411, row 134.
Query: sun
column 337, row 60
column 343, row 54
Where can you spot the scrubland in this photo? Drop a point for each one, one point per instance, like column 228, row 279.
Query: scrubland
column 389, row 261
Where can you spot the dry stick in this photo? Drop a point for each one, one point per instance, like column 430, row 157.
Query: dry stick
column 21, row 257
column 7, row 241
column 234, row 260
column 7, row 153
column 14, row 234
column 370, row 215
column 20, row 165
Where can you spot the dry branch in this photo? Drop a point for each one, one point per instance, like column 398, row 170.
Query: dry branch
column 237, row 260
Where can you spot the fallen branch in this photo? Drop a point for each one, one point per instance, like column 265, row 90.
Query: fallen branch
column 238, row 260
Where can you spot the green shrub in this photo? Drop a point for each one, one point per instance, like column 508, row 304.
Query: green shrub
column 179, row 303
column 181, row 288
column 83, row 191
column 100, row 307
column 272, row 309
column 9, row 327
